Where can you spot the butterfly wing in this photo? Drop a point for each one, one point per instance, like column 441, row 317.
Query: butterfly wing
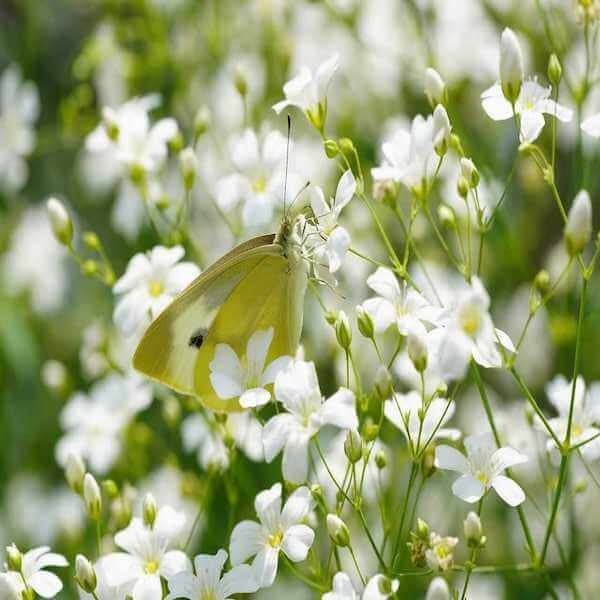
column 253, row 287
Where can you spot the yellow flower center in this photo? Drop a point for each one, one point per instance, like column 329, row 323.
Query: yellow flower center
column 577, row 430
column 156, row 288
column 151, row 567
column 259, row 185
column 482, row 477
column 275, row 539
column 207, row 595
column 470, row 321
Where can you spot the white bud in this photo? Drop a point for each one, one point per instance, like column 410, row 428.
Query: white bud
column 435, row 88
column 473, row 529
column 85, row 574
column 343, row 332
column 338, row 530
column 54, row 374
column 353, row 446
column 14, row 558
column 417, row 348
column 61, row 223
column 578, row 229
column 111, row 125
column 188, row 162
column 438, row 590
column 441, row 130
column 469, row 171
column 92, row 496
column 511, row 65
column 149, row 510
column 383, row 382
column 75, row 472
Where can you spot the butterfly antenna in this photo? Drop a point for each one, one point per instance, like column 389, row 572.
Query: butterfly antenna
column 287, row 161
column 304, row 187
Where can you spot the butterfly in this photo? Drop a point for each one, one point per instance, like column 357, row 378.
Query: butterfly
column 259, row 286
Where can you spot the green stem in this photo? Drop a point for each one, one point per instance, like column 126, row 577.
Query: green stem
column 413, row 475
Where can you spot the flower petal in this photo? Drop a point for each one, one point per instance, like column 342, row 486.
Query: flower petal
column 297, row 541
column 450, row 459
column 468, row 488
column 508, row 490
column 245, row 541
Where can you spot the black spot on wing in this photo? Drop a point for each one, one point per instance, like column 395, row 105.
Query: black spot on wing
column 197, row 339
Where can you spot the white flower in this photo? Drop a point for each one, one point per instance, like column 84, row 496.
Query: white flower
column 578, row 229
column 207, row 582
column 246, row 431
column 278, row 531
column 342, row 589
column 128, row 132
column 403, row 410
column 470, row 332
column 11, row 586
column 511, row 65
column 148, row 555
column 94, row 422
column 34, row 565
column 19, row 109
column 148, row 286
column 246, row 377
column 309, row 90
column 104, row 591
column 586, row 412
column 297, row 388
column 438, row 590
column 533, row 102
column 481, row 469
column 337, row 238
column 591, row 125
column 439, row 555
column 435, row 88
column 257, row 181
column 205, row 438
column 396, row 304
column 379, row 587
column 409, row 157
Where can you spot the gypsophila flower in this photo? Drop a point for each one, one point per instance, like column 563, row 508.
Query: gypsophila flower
column 297, row 388
column 439, row 555
column 197, row 434
column 379, row 587
column 342, row 589
column 246, row 378
column 279, row 530
column 148, row 286
column 207, row 581
column 34, row 574
column 148, row 555
column 482, row 469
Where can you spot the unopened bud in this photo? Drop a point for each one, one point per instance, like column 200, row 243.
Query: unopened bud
column 85, row 574
column 60, row 221
column 578, row 230
column 89, row 267
column 554, row 70
column 370, row 430
column 435, row 88
column 422, row 530
column 438, row 590
column 462, row 187
column 92, row 241
column 511, row 65
column 188, row 163
column 381, row 459
column 366, row 327
column 149, row 510
column 338, row 530
column 111, row 126
column 473, row 530
column 110, row 489
column 383, row 382
column 316, row 492
column 446, row 217
column 54, row 375
column 417, row 348
column 456, row 144
column 343, row 333
column 542, row 282
column 428, row 462
column 14, row 558
column 75, row 472
column 331, row 148
column 441, row 130
column 346, row 145
column 176, row 142
column 387, row 586
column 469, row 171
column 353, row 446
column 240, row 82
column 331, row 317
column 92, row 496
column 201, row 121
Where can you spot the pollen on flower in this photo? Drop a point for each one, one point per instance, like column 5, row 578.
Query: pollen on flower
column 151, row 567
column 275, row 539
column 470, row 321
column 155, row 288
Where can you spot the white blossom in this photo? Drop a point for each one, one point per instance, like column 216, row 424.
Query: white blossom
column 278, row 530
column 482, row 469
column 342, row 589
column 511, row 65
column 578, row 229
column 297, row 388
column 379, row 587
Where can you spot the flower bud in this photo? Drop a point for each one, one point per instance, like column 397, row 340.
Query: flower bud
column 383, row 382
column 338, row 530
column 316, row 491
column 473, row 530
column 462, row 187
column 422, row 530
column 554, row 70
column 435, row 88
column 346, row 145
column 75, row 472
column 542, row 282
column 417, row 348
column 353, row 446
column 188, row 163
column 381, row 459
column 54, row 375
column 110, row 489
column 446, row 217
column 240, row 82
column 91, row 240
column 89, row 267
column 366, row 327
column 331, row 148
column 511, row 65
column 111, row 126
column 14, row 558
column 578, row 229
column 343, row 333
column 370, row 430
column 441, row 130
column 331, row 317
column 61, row 223
column 176, row 142
column 149, row 510
column 85, row 574
column 387, row 586
column 469, row 171
column 428, row 462
column 92, row 496
column 201, row 121
column 438, row 590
